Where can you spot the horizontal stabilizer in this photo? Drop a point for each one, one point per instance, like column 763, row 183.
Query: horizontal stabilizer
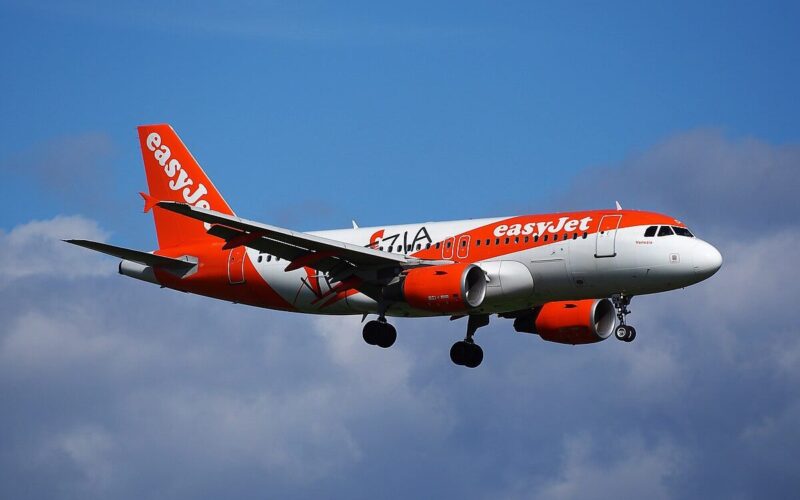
column 148, row 259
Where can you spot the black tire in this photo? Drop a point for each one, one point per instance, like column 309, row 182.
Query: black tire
column 387, row 335
column 474, row 356
column 458, row 353
column 621, row 332
column 631, row 334
column 371, row 332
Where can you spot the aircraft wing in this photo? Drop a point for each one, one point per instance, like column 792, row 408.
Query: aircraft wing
column 301, row 249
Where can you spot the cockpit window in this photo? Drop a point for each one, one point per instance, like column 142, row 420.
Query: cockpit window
column 650, row 231
column 682, row 231
column 665, row 231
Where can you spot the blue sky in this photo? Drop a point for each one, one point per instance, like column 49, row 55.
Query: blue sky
column 309, row 114
column 388, row 114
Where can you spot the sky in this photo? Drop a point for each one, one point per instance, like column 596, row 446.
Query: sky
column 310, row 114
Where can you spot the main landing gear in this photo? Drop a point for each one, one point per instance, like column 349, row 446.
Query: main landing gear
column 379, row 333
column 466, row 352
column 623, row 331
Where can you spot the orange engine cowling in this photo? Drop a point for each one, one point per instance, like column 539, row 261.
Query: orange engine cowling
column 570, row 321
column 447, row 289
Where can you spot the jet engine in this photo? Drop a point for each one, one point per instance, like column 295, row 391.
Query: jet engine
column 444, row 289
column 570, row 321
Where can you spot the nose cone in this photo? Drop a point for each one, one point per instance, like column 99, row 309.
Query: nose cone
column 707, row 260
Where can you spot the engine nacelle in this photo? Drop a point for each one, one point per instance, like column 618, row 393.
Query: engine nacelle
column 570, row 321
column 509, row 282
column 446, row 289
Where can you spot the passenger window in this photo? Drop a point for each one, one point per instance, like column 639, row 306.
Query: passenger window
column 391, row 247
column 527, row 239
column 585, row 234
column 269, row 258
column 449, row 244
column 507, row 240
column 497, row 241
column 488, row 242
column 463, row 243
column 438, row 245
column 535, row 238
column 574, row 236
column 545, row 237
column 516, row 239
column 427, row 246
column 419, row 247
column 380, row 248
column 650, row 231
column 682, row 231
column 477, row 243
column 260, row 258
column 665, row 231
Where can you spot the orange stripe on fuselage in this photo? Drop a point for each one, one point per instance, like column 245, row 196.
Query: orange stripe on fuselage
column 630, row 218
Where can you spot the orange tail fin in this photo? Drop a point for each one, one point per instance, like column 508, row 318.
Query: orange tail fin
column 174, row 175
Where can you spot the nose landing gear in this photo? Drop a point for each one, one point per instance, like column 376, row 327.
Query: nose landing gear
column 466, row 352
column 623, row 332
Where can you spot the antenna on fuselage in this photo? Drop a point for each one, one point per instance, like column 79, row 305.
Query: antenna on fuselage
column 619, row 207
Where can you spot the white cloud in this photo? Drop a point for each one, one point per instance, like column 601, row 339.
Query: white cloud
column 35, row 249
column 143, row 373
column 88, row 448
column 632, row 470
column 736, row 188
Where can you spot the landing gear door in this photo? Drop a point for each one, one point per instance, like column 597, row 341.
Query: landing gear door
column 607, row 235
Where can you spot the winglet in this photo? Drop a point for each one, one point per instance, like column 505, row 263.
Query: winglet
column 355, row 224
column 619, row 207
column 149, row 202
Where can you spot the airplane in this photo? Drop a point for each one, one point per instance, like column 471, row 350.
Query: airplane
column 568, row 277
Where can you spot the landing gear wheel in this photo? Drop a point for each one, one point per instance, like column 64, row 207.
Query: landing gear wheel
column 631, row 334
column 625, row 333
column 474, row 356
column 467, row 354
column 379, row 333
column 388, row 334
column 458, row 352
column 371, row 332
